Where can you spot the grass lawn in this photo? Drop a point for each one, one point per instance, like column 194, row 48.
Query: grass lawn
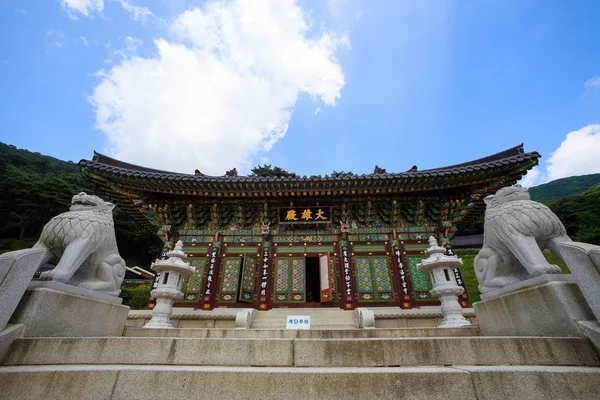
column 468, row 273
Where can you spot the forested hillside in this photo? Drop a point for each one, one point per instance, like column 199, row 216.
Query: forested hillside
column 580, row 215
column 34, row 188
column 556, row 190
column 576, row 201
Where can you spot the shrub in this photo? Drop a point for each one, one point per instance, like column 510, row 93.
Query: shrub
column 135, row 295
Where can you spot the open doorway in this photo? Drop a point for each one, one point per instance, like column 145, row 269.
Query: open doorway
column 313, row 288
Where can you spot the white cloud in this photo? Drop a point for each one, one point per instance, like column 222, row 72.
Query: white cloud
column 577, row 154
column 592, row 83
column 138, row 13
column 531, row 179
column 83, row 7
column 220, row 92
column 335, row 5
column 84, row 40
column 130, row 47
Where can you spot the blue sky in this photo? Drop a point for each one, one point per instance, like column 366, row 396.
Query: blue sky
column 311, row 86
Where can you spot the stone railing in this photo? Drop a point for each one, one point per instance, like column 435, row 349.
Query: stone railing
column 188, row 318
column 414, row 318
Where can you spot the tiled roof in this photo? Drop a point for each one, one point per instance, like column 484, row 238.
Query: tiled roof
column 126, row 184
column 106, row 160
column 514, row 155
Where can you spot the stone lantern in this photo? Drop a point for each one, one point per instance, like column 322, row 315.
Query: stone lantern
column 172, row 271
column 441, row 267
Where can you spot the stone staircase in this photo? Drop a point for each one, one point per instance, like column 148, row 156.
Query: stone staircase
column 352, row 333
column 423, row 363
column 320, row 318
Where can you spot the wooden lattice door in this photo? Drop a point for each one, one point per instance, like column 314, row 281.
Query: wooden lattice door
column 290, row 280
column 230, row 275
column 373, row 278
column 248, row 285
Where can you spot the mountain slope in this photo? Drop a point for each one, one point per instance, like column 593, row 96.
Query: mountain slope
column 580, row 214
column 557, row 189
column 34, row 188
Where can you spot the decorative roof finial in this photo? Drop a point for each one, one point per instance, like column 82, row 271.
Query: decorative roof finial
column 432, row 241
column 177, row 251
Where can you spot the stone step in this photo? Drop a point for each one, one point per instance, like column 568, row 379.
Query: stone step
column 302, row 311
column 281, row 325
column 311, row 312
column 319, row 318
column 313, row 321
column 366, row 352
column 307, row 310
column 147, row 382
column 302, row 334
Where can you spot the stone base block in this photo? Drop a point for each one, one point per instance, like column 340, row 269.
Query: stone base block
column 63, row 287
column 591, row 329
column 7, row 336
column 536, row 281
column 583, row 259
column 50, row 312
column 548, row 309
column 16, row 270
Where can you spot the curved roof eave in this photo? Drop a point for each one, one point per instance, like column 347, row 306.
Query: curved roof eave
column 506, row 157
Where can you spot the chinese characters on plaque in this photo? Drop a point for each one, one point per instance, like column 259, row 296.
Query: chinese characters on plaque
column 299, row 215
column 458, row 277
column 211, row 274
column 264, row 275
column 401, row 271
column 347, row 283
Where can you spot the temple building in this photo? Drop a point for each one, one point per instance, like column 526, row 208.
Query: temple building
column 334, row 241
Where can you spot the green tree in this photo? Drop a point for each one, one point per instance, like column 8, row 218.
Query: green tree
column 268, row 170
column 559, row 188
column 580, row 216
column 589, row 227
column 35, row 188
column 337, row 174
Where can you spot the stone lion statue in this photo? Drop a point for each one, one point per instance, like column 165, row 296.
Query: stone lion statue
column 516, row 230
column 84, row 240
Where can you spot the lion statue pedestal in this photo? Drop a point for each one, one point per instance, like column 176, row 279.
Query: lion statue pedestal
column 522, row 294
column 79, row 296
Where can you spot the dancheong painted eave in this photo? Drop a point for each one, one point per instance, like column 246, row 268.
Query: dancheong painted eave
column 479, row 176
